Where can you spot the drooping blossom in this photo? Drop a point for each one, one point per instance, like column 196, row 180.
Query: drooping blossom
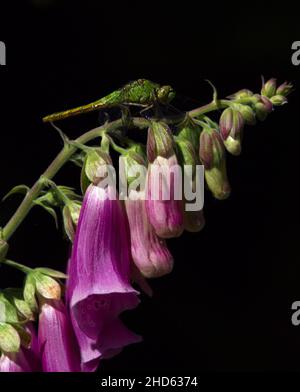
column 163, row 183
column 57, row 344
column 149, row 252
column 98, row 288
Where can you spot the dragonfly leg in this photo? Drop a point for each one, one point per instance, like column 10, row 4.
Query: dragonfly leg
column 148, row 107
column 140, row 105
column 126, row 115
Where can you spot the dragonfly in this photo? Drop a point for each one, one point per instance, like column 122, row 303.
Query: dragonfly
column 141, row 92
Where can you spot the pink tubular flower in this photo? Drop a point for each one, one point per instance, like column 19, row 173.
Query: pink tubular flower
column 149, row 253
column 166, row 216
column 57, row 343
column 99, row 287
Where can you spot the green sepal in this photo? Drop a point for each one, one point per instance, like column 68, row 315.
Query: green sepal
column 95, row 158
column 84, row 180
column 10, row 340
column 8, row 312
column 15, row 296
column 68, row 192
column 22, row 189
column 46, row 286
column 51, row 272
column 25, row 336
column 29, row 293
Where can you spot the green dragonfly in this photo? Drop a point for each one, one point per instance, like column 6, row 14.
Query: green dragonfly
column 141, row 92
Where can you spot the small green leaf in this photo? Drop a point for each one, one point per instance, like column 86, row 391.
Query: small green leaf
column 9, row 338
column 52, row 272
column 23, row 189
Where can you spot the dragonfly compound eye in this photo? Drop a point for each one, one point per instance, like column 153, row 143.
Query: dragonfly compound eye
column 165, row 94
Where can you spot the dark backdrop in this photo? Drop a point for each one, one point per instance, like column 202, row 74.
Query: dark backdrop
column 227, row 305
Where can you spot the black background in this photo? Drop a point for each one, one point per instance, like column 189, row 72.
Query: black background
column 227, row 305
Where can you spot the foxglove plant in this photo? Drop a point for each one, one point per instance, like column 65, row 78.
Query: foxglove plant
column 117, row 241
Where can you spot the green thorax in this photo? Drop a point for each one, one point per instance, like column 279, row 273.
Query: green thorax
column 140, row 91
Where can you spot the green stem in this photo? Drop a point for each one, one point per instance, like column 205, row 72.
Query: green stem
column 18, row 266
column 69, row 149
column 210, row 107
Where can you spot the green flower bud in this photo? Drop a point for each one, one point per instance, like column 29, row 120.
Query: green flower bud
column 284, row 89
column 247, row 113
column 244, row 93
column 263, row 107
column 189, row 130
column 231, row 127
column 278, row 100
column 217, row 181
column 213, row 157
column 71, row 212
column 269, row 88
column 160, row 141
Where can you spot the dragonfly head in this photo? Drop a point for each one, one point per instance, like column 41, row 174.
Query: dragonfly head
column 165, row 94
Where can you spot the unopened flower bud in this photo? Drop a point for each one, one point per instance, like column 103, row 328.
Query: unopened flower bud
column 213, row 157
column 263, row 107
column 278, row 100
column 244, row 93
column 231, row 127
column 269, row 88
column 211, row 148
column 187, row 154
column 247, row 112
column 190, row 131
column 160, row 141
column 284, row 89
column 71, row 212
